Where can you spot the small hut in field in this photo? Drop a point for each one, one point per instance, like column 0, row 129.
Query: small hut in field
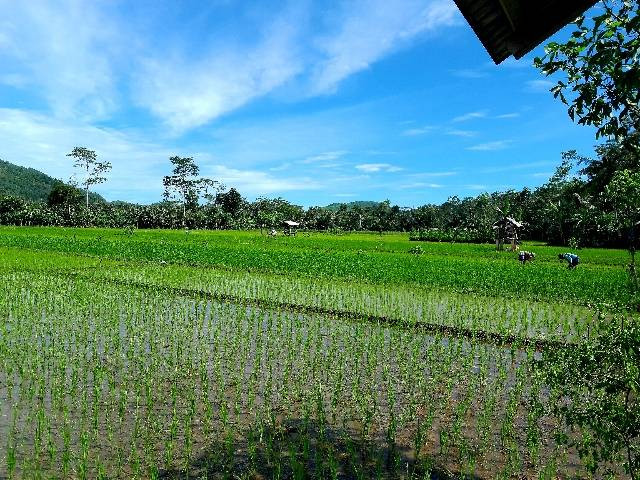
column 290, row 227
column 507, row 232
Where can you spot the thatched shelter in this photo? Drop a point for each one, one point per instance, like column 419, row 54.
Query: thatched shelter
column 507, row 232
column 290, row 227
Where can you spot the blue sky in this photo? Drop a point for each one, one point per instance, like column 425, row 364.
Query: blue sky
column 317, row 102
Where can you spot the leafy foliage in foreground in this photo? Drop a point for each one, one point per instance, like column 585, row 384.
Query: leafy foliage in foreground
column 598, row 385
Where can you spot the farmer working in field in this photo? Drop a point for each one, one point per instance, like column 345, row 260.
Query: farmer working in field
column 524, row 257
column 572, row 258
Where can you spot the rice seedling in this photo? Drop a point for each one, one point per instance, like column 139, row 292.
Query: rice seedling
column 132, row 369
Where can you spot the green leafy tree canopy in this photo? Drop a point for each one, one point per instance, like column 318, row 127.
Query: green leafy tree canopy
column 600, row 64
column 185, row 184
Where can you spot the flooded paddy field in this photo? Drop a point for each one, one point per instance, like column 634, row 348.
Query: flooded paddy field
column 100, row 380
column 117, row 364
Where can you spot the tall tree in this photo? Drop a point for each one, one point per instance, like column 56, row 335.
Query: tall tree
column 64, row 195
column 231, row 201
column 623, row 192
column 185, row 184
column 612, row 157
column 92, row 170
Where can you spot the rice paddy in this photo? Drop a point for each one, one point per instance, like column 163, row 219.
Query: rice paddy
column 229, row 355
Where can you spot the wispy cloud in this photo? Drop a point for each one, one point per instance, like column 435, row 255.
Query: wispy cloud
column 365, row 31
column 256, row 182
column 416, row 185
column 462, row 133
column 378, row 167
column 491, row 146
column 539, row 85
column 325, row 157
column 186, row 93
column 282, row 167
column 506, row 116
column 78, row 55
column 379, row 153
column 331, row 165
column 66, row 51
column 517, row 166
column 41, row 142
column 412, row 132
column 470, row 116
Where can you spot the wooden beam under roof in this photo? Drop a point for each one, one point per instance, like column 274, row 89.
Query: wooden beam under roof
column 515, row 27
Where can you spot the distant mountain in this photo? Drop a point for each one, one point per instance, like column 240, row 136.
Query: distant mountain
column 358, row 203
column 29, row 183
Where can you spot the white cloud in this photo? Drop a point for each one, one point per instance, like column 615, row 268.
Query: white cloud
column 378, row 167
column 66, row 50
column 330, row 165
column 517, row 166
column 85, row 59
column 506, row 116
column 187, row 94
column 325, row 157
column 539, row 85
column 415, row 185
column 282, row 167
column 462, row 133
column 366, row 31
column 378, row 153
column 255, row 182
column 470, row 116
column 412, row 132
column 491, row 146
column 42, row 142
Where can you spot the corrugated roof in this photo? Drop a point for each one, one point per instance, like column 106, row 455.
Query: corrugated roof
column 511, row 220
column 515, row 27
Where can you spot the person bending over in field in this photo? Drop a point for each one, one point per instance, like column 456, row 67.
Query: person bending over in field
column 571, row 258
column 524, row 257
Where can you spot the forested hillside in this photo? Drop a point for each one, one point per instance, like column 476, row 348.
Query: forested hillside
column 29, row 183
column 26, row 183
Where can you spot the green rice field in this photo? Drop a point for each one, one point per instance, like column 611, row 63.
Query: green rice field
column 172, row 354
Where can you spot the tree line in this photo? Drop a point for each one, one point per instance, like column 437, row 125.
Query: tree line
column 587, row 201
